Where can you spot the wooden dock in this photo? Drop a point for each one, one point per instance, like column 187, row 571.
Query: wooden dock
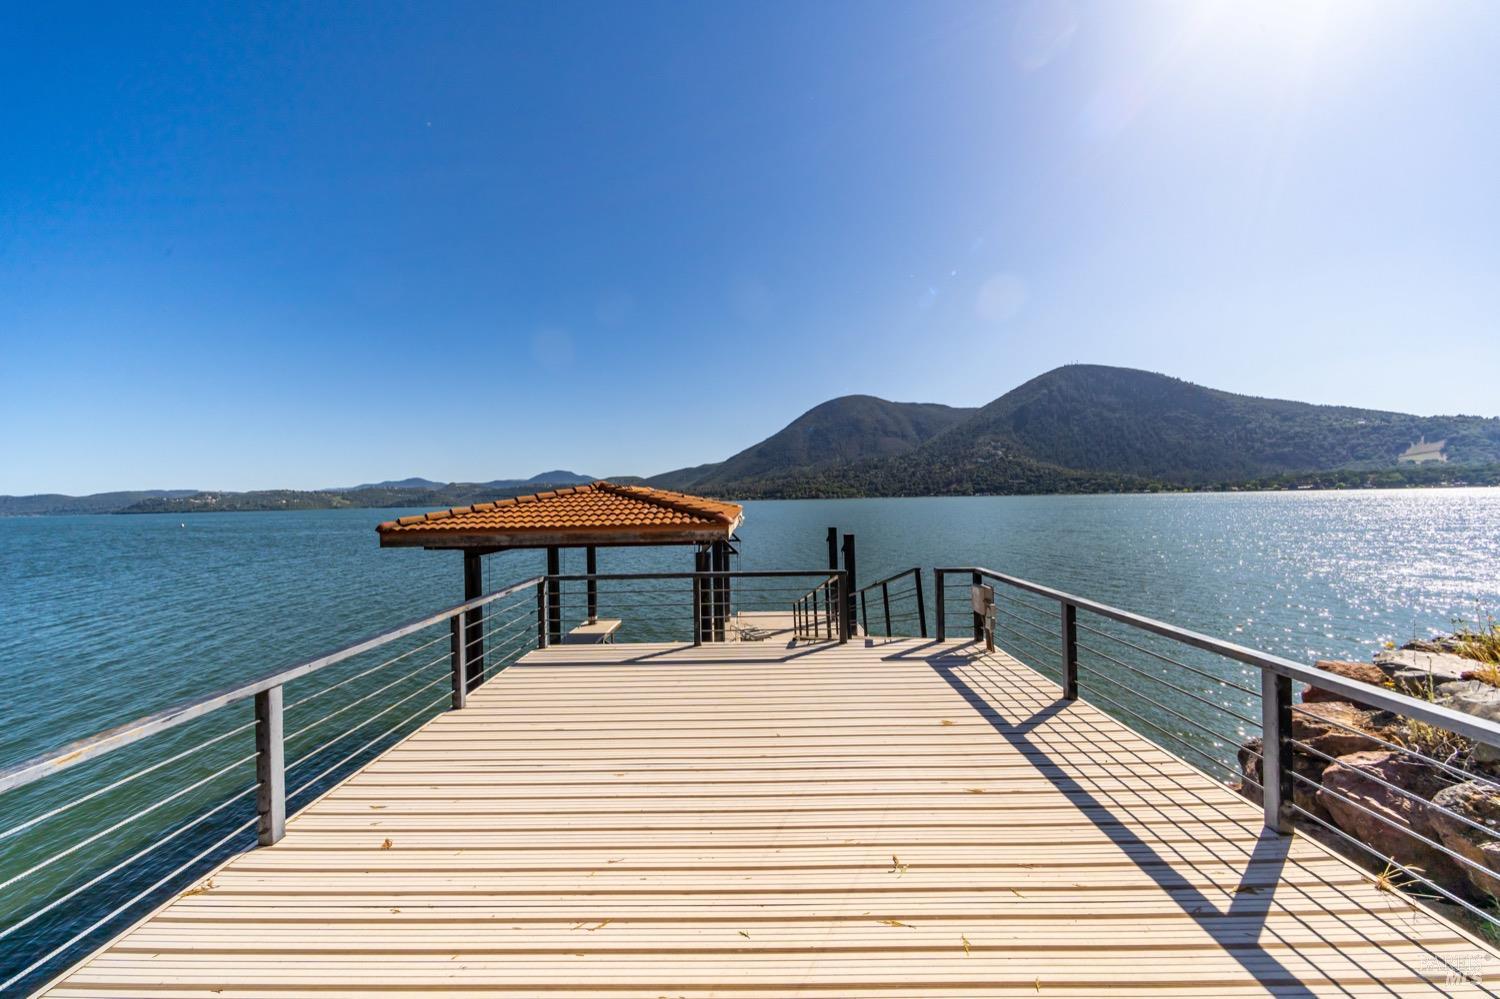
column 883, row 818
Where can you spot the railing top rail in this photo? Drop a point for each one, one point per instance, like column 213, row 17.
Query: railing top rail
column 91, row 747
column 1471, row 726
column 914, row 570
column 829, row 576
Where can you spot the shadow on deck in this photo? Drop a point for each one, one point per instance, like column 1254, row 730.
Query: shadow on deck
column 883, row 818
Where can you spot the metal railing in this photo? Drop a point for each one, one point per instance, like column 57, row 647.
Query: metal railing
column 109, row 825
column 699, row 606
column 899, row 604
column 821, row 614
column 1183, row 689
column 106, row 826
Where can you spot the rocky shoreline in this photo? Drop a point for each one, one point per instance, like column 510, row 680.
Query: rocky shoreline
column 1358, row 763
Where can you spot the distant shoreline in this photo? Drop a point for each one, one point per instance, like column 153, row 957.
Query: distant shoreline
column 411, row 504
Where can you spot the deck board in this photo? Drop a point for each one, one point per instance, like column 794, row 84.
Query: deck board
column 885, row 818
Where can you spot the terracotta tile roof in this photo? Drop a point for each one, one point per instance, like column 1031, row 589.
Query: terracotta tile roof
column 599, row 507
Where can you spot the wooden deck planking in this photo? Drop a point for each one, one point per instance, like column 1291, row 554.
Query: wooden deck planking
column 883, row 818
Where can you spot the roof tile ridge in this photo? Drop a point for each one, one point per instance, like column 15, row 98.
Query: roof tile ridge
column 679, row 502
column 485, row 507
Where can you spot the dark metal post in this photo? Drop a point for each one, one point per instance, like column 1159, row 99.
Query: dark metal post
column 841, row 613
column 817, row 617
column 1276, row 750
column 837, row 620
column 719, row 557
column 851, row 582
column 541, row 614
column 1070, row 651
column 978, row 580
column 864, row 612
column 554, row 596
column 885, row 598
column 591, row 567
column 833, row 549
column 942, row 614
column 474, row 620
column 700, row 595
column 270, row 768
column 724, row 583
column 456, row 651
column 921, row 604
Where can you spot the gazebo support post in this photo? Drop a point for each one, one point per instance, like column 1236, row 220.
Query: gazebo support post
column 474, row 626
column 700, row 594
column 554, row 596
column 720, row 588
column 591, row 567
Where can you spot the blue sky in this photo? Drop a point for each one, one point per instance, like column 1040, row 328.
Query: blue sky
column 247, row 247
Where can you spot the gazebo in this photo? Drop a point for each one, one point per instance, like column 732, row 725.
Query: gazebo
column 598, row 515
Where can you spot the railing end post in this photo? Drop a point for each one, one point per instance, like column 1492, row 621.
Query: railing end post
column 921, row 604
column 1070, row 651
column 270, row 767
column 940, row 604
column 1276, row 750
column 459, row 660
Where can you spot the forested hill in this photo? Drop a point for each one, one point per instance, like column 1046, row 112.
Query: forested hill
column 847, row 429
column 1139, row 423
column 1093, row 428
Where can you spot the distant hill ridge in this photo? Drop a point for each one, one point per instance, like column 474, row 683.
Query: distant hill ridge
column 556, row 477
column 1078, row 428
column 393, row 493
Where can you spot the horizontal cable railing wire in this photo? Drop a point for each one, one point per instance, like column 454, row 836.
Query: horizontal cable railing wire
column 87, row 842
column 1186, row 692
column 895, row 606
column 698, row 606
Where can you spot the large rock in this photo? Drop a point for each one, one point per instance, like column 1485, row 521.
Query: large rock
column 1353, row 777
column 1361, row 672
column 1479, row 699
column 1304, row 763
column 1419, row 673
column 1314, row 726
column 1324, row 726
column 1437, row 643
column 1478, row 801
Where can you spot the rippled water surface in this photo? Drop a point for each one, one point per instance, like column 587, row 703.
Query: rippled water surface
column 108, row 617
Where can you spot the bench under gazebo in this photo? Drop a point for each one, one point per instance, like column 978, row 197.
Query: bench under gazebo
column 599, row 515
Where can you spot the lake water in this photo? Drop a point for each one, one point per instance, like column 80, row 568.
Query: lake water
column 107, row 618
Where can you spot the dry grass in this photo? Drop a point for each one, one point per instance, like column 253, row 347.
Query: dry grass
column 1430, row 740
column 1481, row 642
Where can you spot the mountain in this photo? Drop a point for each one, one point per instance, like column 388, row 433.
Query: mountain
column 848, row 429
column 390, row 484
column 557, row 477
column 1139, row 423
column 1091, row 428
